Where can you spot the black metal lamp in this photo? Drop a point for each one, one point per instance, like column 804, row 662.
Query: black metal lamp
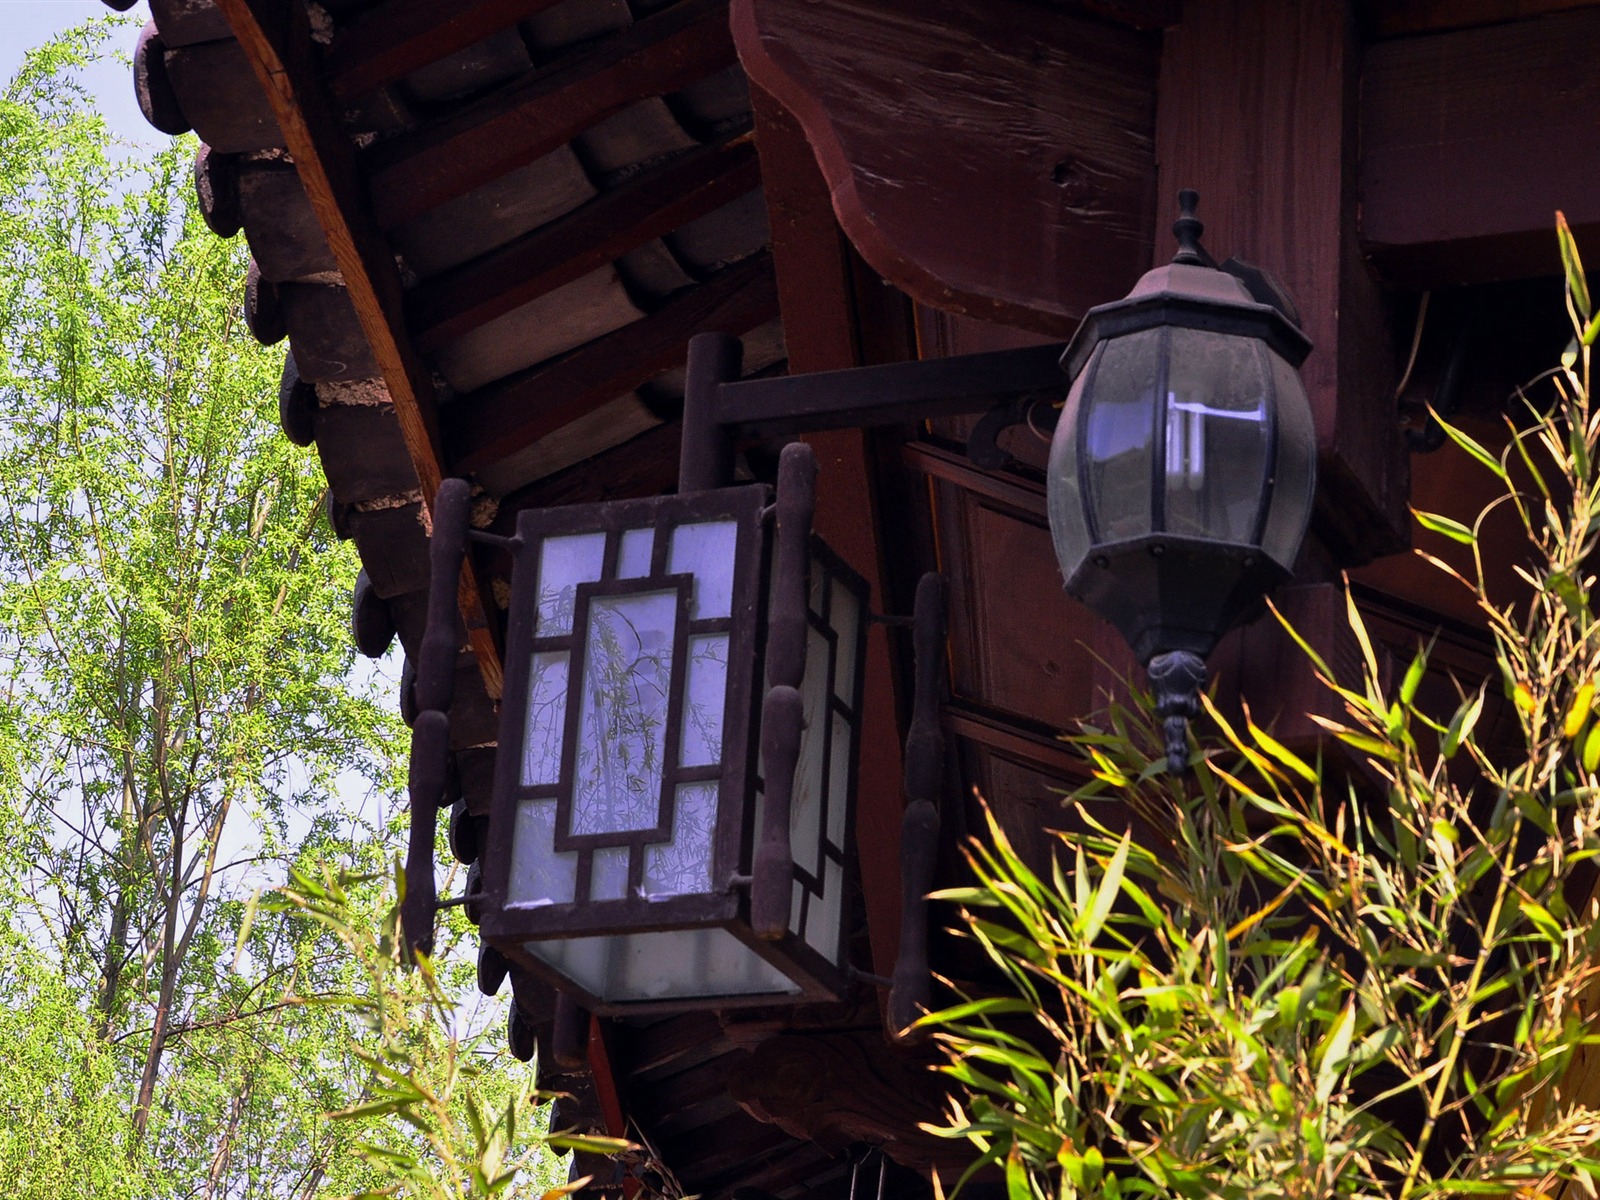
column 1182, row 469
column 668, row 829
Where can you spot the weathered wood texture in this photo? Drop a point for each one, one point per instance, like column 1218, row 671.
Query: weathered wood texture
column 983, row 156
column 651, row 204
column 531, row 117
column 1469, row 143
column 841, row 1089
column 277, row 41
column 509, row 415
column 815, row 296
column 1398, row 18
column 392, row 40
column 1257, row 112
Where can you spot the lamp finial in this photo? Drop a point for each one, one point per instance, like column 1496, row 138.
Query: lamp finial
column 1187, row 229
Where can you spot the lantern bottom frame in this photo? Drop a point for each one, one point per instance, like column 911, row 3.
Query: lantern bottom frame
column 812, row 979
column 1167, row 592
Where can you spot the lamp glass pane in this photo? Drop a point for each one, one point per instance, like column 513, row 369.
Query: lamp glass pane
column 622, row 721
column 1295, row 473
column 1218, row 432
column 1119, row 433
column 844, row 614
column 547, row 718
column 823, row 932
column 539, row 875
column 705, row 695
column 706, row 551
column 634, row 550
column 682, row 866
column 564, row 563
column 608, row 873
column 839, row 785
column 1069, row 525
column 673, row 965
column 809, row 802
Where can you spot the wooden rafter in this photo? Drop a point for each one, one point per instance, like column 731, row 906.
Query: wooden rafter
column 1448, row 118
column 651, row 204
column 511, row 415
column 277, row 40
column 390, row 42
column 524, row 121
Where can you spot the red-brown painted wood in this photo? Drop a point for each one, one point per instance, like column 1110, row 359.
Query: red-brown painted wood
column 1398, row 18
column 982, row 157
column 517, row 124
column 1257, row 111
column 1469, row 143
column 814, row 291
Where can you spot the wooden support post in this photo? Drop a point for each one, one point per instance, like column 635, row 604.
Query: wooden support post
column 1257, row 111
column 811, row 262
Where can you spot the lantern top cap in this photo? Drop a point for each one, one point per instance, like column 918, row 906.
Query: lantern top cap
column 1193, row 292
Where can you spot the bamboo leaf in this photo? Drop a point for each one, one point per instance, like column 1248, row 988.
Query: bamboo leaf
column 1450, row 528
column 1572, row 264
column 1109, row 886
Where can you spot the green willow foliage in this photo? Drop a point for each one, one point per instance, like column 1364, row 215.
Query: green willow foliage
column 1303, row 987
column 178, row 715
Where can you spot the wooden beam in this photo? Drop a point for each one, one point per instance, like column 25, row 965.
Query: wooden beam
column 507, row 416
column 528, row 119
column 386, row 45
column 651, row 204
column 981, row 158
column 1040, row 748
column 1469, row 143
column 1401, row 18
column 277, row 40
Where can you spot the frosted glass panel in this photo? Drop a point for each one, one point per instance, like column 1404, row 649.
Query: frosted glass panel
column 705, row 695
column 564, row 563
column 706, row 551
column 806, row 811
column 839, row 784
column 608, row 874
column 822, row 921
column 844, row 616
column 622, row 722
column 633, row 553
column 547, row 715
column 674, row 965
column 683, row 865
column 539, row 875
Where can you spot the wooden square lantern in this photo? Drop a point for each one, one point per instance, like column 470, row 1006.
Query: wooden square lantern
column 625, row 846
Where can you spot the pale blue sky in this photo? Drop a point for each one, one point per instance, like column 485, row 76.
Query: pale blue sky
column 26, row 23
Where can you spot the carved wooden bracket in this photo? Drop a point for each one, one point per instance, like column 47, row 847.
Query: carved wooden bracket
column 841, row 1089
column 984, row 157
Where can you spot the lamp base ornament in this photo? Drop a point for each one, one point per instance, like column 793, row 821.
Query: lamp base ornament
column 1176, row 677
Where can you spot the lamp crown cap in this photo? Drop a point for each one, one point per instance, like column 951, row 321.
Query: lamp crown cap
column 1188, row 229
